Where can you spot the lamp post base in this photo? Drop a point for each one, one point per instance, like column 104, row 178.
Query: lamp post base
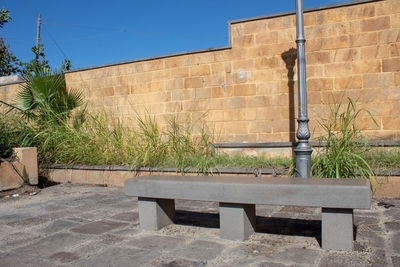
column 303, row 160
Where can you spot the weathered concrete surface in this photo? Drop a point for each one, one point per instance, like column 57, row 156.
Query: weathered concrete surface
column 322, row 192
column 75, row 225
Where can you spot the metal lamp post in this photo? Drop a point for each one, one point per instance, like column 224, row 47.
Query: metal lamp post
column 303, row 150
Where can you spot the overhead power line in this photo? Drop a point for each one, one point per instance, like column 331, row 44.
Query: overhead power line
column 55, row 42
column 135, row 31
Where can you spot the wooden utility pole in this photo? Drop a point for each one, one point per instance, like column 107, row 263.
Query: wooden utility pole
column 39, row 21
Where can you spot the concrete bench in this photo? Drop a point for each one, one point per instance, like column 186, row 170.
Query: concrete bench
column 237, row 197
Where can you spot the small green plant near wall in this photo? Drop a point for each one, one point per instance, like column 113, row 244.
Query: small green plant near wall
column 344, row 144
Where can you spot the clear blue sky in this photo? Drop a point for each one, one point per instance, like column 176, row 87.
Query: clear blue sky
column 98, row 32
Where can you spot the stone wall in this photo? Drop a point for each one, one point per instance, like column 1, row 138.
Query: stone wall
column 9, row 86
column 248, row 90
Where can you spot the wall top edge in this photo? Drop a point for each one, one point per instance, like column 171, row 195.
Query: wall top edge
column 344, row 4
column 12, row 79
column 151, row 58
column 306, row 10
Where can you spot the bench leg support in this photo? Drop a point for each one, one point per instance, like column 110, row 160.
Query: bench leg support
column 155, row 213
column 337, row 229
column 237, row 221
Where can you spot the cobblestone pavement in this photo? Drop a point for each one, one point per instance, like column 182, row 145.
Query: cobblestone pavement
column 79, row 225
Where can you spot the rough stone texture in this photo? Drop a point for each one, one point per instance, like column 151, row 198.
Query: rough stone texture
column 282, row 238
column 9, row 178
column 97, row 228
column 27, row 156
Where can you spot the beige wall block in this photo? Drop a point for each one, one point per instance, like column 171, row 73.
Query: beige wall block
column 388, row 186
column 28, row 157
column 9, row 178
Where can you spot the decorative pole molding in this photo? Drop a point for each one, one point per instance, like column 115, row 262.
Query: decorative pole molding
column 303, row 151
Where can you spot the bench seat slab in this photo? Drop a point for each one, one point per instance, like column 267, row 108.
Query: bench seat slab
column 155, row 213
column 237, row 221
column 337, row 229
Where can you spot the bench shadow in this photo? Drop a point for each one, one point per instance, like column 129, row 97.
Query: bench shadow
column 267, row 225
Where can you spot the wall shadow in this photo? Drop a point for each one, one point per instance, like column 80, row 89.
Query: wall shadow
column 290, row 57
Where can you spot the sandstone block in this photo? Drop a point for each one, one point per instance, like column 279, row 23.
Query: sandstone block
column 375, row 24
column 244, row 89
column 28, row 157
column 226, row 91
column 9, row 178
column 364, row 39
column 359, row 12
column 391, row 65
column 243, row 41
column 266, row 38
column 200, row 70
column 366, row 66
column 389, row 36
column 335, row 42
column 254, row 26
column 343, row 55
column 320, row 84
column 350, row 82
column 318, row 58
column 377, row 80
column 194, row 82
column 338, row 69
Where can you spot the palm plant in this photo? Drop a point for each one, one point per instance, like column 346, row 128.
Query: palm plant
column 44, row 95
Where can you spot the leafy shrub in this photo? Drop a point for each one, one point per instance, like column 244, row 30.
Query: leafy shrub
column 343, row 146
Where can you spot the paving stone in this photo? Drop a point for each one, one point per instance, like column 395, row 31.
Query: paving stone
column 335, row 259
column 126, row 216
column 177, row 263
column 17, row 260
column 378, row 258
column 396, row 260
column 17, row 239
column 154, row 242
column 96, row 228
column 200, row 250
column 392, row 226
column 358, row 220
column 56, row 207
column 373, row 239
column 15, row 217
column 64, row 257
column 34, row 221
column 51, row 244
column 393, row 214
column 396, row 242
column 119, row 256
column 271, row 264
column 110, row 239
column 295, row 255
column 58, row 225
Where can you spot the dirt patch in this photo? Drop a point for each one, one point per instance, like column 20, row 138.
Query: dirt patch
column 23, row 190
